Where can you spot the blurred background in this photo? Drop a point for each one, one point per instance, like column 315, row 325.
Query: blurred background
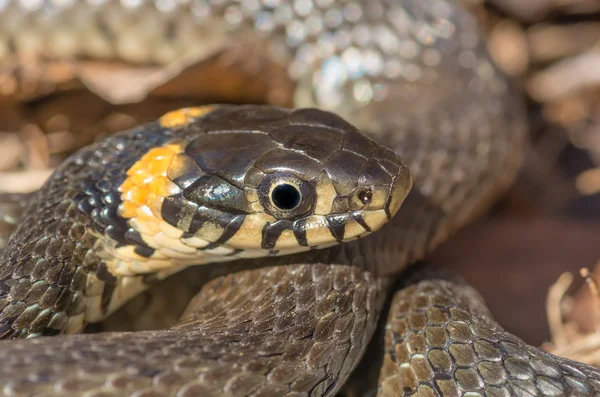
column 548, row 224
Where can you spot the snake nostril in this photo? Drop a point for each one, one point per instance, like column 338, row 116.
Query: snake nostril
column 365, row 196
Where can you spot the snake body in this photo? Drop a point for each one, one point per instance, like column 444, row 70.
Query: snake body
column 310, row 271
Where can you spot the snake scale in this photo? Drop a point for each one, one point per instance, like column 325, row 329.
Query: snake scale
column 313, row 218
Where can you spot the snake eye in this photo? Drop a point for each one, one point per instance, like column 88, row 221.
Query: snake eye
column 286, row 197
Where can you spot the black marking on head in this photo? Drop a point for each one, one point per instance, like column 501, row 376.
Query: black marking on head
column 337, row 225
column 231, row 229
column 133, row 237
column 99, row 196
column 146, row 252
column 106, row 165
column 104, row 275
column 208, row 215
column 299, row 229
column 359, row 219
column 186, row 171
column 197, row 222
column 107, row 293
column 388, row 214
column 109, row 215
column 116, row 232
column 209, row 246
column 177, row 211
column 272, row 231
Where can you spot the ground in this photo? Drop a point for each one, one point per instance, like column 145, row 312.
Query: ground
column 547, row 225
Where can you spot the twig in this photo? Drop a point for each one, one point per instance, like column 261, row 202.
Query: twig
column 556, row 294
column 23, row 181
column 592, row 285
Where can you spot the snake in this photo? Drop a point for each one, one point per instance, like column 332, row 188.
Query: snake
column 401, row 130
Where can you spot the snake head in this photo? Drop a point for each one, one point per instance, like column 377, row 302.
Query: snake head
column 251, row 181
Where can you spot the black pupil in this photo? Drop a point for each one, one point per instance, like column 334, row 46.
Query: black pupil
column 365, row 196
column 286, row 197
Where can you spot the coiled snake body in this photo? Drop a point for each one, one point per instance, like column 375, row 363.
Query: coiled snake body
column 314, row 218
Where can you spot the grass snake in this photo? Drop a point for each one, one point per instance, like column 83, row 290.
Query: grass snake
column 314, row 214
